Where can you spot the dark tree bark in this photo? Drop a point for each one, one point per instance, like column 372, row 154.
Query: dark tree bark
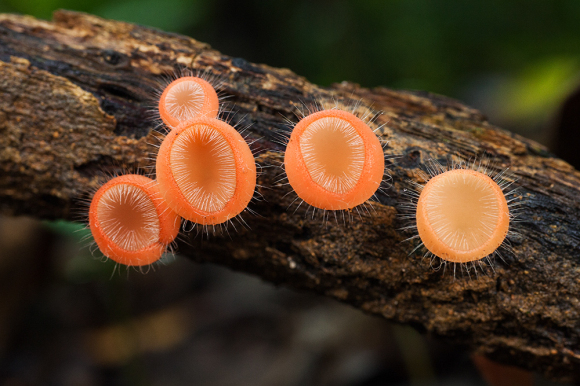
column 74, row 100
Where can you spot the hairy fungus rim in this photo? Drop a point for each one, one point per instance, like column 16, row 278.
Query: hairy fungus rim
column 209, row 108
column 315, row 195
column 431, row 240
column 169, row 223
column 245, row 174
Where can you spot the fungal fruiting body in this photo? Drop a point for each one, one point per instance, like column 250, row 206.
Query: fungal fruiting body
column 206, row 171
column 462, row 215
column 187, row 98
column 334, row 160
column 130, row 222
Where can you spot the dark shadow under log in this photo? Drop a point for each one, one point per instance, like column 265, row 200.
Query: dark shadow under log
column 74, row 100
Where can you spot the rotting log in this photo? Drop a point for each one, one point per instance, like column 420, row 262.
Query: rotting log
column 75, row 94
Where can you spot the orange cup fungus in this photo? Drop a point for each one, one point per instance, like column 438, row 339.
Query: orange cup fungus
column 206, row 171
column 462, row 215
column 334, row 160
column 187, row 98
column 130, row 222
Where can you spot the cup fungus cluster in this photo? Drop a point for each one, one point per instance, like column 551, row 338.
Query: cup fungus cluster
column 206, row 174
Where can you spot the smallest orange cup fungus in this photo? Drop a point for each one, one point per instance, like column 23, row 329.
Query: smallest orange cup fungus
column 130, row 222
column 206, row 171
column 334, row 160
column 462, row 215
column 187, row 98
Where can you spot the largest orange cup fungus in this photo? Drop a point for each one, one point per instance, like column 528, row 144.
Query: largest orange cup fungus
column 462, row 215
column 334, row 160
column 206, row 171
column 130, row 222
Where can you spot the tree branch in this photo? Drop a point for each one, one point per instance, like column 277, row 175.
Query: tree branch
column 74, row 97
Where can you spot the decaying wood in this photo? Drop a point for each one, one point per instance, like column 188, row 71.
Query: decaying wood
column 74, row 100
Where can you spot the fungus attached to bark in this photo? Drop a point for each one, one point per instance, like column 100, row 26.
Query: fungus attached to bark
column 187, row 98
column 130, row 221
column 206, row 171
column 334, row 160
column 462, row 215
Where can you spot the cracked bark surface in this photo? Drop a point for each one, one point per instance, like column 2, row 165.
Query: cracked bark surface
column 75, row 94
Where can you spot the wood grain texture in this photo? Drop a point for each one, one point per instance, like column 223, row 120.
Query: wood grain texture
column 75, row 96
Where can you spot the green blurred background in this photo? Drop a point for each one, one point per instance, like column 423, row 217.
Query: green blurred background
column 65, row 318
column 514, row 60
